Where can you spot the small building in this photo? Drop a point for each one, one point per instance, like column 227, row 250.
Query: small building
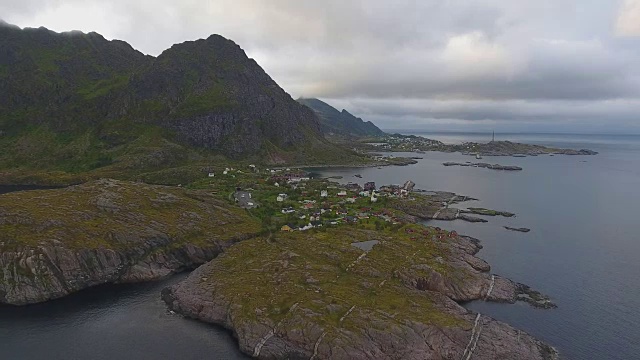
column 342, row 193
column 306, row 227
column 324, row 193
column 286, row 228
column 212, row 174
column 365, row 193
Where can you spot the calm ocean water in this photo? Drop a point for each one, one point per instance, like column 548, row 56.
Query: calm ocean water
column 583, row 251
column 584, row 246
column 110, row 322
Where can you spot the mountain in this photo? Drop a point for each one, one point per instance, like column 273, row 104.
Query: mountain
column 340, row 122
column 76, row 102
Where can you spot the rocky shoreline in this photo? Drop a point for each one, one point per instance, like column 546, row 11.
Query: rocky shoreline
column 56, row 242
column 294, row 300
column 285, row 295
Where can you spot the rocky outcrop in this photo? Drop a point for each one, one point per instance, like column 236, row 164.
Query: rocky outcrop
column 485, row 165
column 487, row 212
column 318, row 297
column 521, row 229
column 56, row 242
column 32, row 275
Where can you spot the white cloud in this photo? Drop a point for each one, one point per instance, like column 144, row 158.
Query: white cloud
column 628, row 23
column 472, row 56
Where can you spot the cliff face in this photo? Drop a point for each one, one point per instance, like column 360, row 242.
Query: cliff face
column 56, row 242
column 340, row 122
column 317, row 296
column 218, row 98
column 77, row 102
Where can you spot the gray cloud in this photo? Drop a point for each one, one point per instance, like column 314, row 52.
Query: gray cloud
column 548, row 63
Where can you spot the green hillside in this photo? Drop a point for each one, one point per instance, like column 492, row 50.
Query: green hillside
column 78, row 106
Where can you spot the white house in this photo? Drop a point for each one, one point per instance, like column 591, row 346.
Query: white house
column 324, row 193
column 342, row 193
column 364, row 193
column 211, row 174
column 306, row 227
column 374, row 198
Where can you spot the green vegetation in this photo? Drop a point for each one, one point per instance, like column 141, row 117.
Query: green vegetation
column 82, row 107
column 118, row 215
column 103, row 87
column 214, row 99
column 320, row 270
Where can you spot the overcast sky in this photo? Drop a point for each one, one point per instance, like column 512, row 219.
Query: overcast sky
column 508, row 65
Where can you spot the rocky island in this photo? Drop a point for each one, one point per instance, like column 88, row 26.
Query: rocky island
column 485, row 165
column 413, row 143
column 521, row 229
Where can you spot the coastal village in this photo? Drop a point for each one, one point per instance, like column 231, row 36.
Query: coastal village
column 292, row 200
column 289, row 199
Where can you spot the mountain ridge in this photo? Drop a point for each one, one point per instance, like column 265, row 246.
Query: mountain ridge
column 78, row 102
column 334, row 121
